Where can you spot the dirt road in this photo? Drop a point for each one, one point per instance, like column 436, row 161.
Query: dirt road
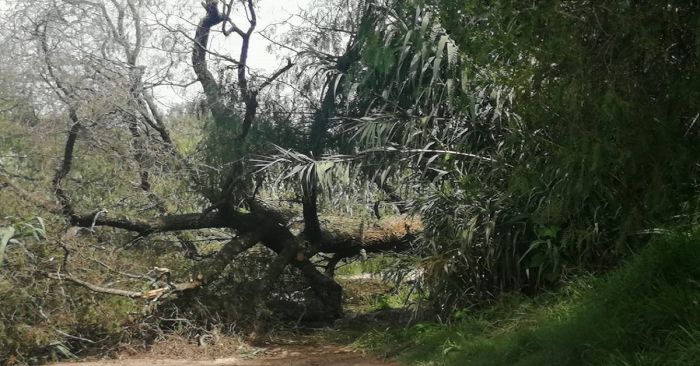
column 294, row 356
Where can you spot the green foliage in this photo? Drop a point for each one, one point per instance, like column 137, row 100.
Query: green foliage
column 375, row 265
column 42, row 321
column 442, row 138
column 9, row 141
column 16, row 233
column 646, row 313
column 323, row 173
column 612, row 91
column 6, row 233
column 572, row 135
column 227, row 154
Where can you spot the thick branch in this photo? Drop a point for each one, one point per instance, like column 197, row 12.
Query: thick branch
column 312, row 225
column 317, row 138
column 67, row 163
column 242, row 81
column 211, row 270
column 136, row 15
column 199, row 57
column 329, row 291
column 396, row 236
column 250, row 97
column 332, row 264
column 162, row 224
column 347, row 246
column 228, row 6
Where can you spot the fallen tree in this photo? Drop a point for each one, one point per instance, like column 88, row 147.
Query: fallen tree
column 234, row 204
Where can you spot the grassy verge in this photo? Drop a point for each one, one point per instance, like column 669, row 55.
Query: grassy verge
column 646, row 313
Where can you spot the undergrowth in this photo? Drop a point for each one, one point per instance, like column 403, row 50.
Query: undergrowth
column 646, row 313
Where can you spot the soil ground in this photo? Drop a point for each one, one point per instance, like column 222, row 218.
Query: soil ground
column 312, row 347
column 329, row 355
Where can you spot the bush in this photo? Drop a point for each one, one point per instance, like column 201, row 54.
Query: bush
column 646, row 313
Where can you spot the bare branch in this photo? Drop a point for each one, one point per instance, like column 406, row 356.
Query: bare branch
column 276, row 75
column 146, row 295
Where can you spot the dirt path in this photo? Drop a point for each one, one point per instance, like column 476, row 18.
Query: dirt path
column 286, row 356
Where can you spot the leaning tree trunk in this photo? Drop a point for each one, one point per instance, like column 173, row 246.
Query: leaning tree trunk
column 264, row 222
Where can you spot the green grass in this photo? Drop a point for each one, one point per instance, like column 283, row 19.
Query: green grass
column 375, row 265
column 646, row 313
